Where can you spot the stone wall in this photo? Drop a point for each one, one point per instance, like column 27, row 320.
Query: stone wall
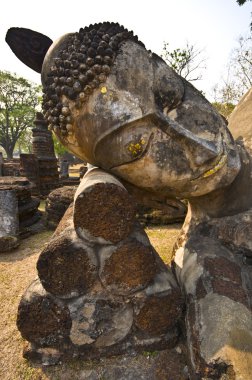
column 11, row 167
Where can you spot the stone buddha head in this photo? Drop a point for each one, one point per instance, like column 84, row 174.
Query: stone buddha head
column 118, row 106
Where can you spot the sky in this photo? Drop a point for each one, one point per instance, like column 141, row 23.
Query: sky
column 211, row 25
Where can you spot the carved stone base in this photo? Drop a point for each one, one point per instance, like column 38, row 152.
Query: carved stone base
column 96, row 297
column 217, row 288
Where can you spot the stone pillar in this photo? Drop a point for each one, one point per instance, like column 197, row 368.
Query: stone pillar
column 43, row 149
column 29, row 168
column 64, row 167
column 8, row 220
column 28, row 212
column 1, row 164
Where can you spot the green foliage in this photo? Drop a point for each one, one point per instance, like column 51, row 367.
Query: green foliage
column 19, row 99
column 24, row 143
column 187, row 62
column 224, row 109
column 241, row 2
column 58, row 147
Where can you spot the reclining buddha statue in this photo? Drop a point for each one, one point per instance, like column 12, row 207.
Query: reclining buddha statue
column 122, row 109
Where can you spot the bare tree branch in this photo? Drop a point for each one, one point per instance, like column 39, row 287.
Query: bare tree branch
column 185, row 61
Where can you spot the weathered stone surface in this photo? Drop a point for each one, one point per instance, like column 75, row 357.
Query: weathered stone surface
column 11, row 167
column 239, row 121
column 170, row 363
column 29, row 168
column 127, row 267
column 66, row 222
column 235, row 232
column 64, row 168
column 43, row 149
column 230, row 342
column 217, row 296
column 1, row 164
column 67, row 267
column 9, row 226
column 108, row 291
column 28, row 213
column 220, row 267
column 57, row 203
column 150, row 209
column 153, row 208
column 159, row 313
column 43, row 319
column 101, row 321
column 103, row 210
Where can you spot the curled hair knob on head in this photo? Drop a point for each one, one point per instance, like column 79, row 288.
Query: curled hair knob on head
column 80, row 67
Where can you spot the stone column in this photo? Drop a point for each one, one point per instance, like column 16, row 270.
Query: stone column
column 29, row 168
column 64, row 167
column 43, row 149
column 1, row 164
column 8, row 220
column 28, row 212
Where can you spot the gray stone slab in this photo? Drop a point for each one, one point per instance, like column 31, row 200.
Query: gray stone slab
column 9, row 224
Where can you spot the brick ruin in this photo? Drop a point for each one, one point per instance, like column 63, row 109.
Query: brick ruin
column 40, row 167
column 21, row 181
column 19, row 210
column 43, row 150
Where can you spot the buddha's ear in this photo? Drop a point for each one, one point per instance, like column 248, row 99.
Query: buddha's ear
column 29, row 46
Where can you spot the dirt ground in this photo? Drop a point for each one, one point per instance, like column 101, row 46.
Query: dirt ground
column 18, row 269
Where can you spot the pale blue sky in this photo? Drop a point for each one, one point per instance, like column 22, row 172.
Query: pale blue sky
column 214, row 25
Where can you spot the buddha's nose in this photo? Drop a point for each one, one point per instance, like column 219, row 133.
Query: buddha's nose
column 202, row 150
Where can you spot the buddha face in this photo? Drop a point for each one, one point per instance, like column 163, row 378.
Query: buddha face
column 153, row 129
column 127, row 112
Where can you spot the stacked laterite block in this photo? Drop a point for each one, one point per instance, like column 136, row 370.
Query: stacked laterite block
column 102, row 288
column 43, row 149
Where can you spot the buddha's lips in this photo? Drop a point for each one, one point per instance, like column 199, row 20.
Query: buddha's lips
column 217, row 167
column 219, row 163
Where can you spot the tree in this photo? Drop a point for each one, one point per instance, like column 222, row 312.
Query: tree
column 19, row 99
column 187, row 62
column 238, row 78
column 241, row 62
column 225, row 109
column 242, row 2
column 24, row 143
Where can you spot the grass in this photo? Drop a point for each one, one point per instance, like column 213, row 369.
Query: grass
column 17, row 270
column 163, row 239
column 42, row 205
